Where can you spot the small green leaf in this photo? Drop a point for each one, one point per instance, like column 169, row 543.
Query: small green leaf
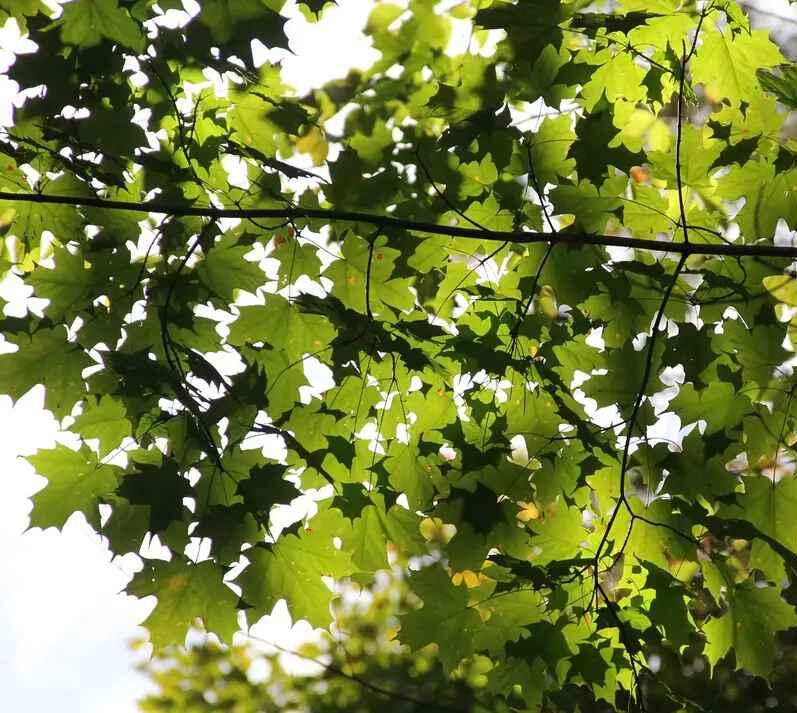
column 668, row 608
column 225, row 270
column 186, row 592
column 45, row 357
column 76, row 482
column 444, row 618
column 293, row 569
column 67, row 286
column 748, row 628
column 87, row 22
column 782, row 83
column 162, row 488
column 105, row 419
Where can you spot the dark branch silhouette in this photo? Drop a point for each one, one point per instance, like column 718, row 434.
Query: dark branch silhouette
column 386, row 221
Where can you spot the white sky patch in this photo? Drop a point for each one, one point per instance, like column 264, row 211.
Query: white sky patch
column 278, row 628
column 64, row 626
column 324, row 50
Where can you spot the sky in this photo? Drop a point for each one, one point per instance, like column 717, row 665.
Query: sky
column 65, row 627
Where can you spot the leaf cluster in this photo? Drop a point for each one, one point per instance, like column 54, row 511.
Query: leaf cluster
column 519, row 316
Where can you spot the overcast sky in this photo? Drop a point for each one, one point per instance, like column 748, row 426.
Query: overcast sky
column 64, row 626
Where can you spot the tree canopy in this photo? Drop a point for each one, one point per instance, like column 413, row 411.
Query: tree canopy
column 519, row 316
column 361, row 668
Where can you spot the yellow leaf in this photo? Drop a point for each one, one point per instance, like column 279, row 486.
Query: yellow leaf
column 529, row 512
column 314, row 143
column 782, row 288
column 434, row 530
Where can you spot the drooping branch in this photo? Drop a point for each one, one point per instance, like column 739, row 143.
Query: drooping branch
column 387, row 221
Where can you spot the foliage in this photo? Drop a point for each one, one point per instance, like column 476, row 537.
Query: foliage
column 361, row 667
column 457, row 298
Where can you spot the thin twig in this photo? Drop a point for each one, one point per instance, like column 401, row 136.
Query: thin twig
column 525, row 306
column 678, row 137
column 679, row 118
column 371, row 242
column 387, row 692
column 442, row 195
column 627, row 644
column 622, row 499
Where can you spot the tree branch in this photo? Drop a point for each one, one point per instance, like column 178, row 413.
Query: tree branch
column 386, row 221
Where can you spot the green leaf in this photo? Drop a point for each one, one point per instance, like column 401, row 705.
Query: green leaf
column 296, row 260
column 381, row 17
column 594, row 21
column 371, row 147
column 591, row 209
column 292, row 569
column 162, row 488
column 771, row 507
column 282, row 325
column 782, row 83
column 727, row 63
column 231, row 21
column 768, row 197
column 748, row 628
column 20, row 9
column 718, row 404
column 619, row 77
column 601, row 145
column 225, row 270
column 529, row 28
column 45, row 357
column 559, row 534
column 698, row 151
column 517, row 672
column 31, row 219
column 250, row 125
column 76, row 482
column 363, row 273
column 368, row 543
column 445, row 617
column 266, row 487
column 67, row 286
column 549, row 147
column 509, row 615
column 87, row 22
column 669, row 605
column 411, row 474
column 105, row 419
column 186, row 592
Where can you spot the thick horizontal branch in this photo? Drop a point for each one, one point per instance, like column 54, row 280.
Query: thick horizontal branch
column 386, row 221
